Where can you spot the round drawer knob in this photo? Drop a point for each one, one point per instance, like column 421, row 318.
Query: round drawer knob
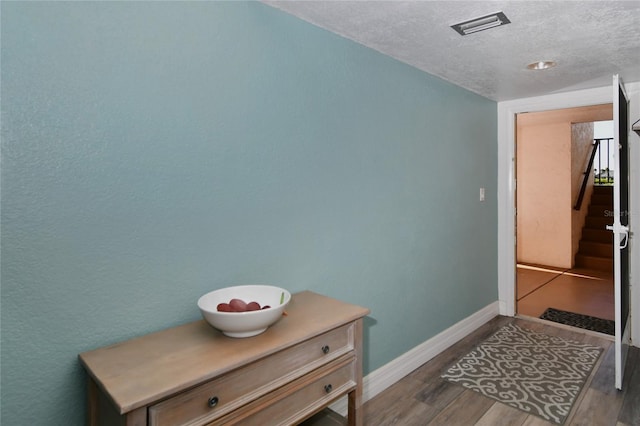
column 213, row 401
column 326, row 349
column 328, row 388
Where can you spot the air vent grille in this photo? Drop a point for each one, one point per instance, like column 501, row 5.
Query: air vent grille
column 480, row 24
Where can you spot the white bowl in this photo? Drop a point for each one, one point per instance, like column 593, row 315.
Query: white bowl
column 244, row 324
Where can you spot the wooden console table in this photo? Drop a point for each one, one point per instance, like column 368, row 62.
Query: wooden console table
column 194, row 375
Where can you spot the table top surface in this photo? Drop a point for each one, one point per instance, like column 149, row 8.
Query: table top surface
column 139, row 371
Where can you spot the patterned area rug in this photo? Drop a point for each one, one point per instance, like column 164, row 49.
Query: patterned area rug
column 585, row 322
column 533, row 372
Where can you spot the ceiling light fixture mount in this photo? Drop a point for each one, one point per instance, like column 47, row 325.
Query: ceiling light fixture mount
column 482, row 23
column 541, row 65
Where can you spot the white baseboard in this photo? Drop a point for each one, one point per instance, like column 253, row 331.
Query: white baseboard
column 385, row 376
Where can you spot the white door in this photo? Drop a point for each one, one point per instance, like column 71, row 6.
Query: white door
column 620, row 226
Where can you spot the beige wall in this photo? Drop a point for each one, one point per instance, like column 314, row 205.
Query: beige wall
column 552, row 149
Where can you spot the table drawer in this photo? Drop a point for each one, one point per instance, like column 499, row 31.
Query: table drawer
column 298, row 400
column 226, row 393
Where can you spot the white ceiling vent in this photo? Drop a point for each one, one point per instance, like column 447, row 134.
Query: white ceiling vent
column 481, row 24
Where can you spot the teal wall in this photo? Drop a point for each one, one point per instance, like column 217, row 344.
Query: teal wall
column 152, row 152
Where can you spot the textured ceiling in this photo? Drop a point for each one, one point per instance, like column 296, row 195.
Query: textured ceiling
column 589, row 40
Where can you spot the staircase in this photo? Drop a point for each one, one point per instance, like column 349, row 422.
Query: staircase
column 596, row 244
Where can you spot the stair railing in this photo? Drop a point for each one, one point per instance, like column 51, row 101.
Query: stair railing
column 587, row 173
column 603, row 175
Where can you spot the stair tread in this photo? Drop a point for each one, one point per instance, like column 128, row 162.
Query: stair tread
column 594, row 262
column 596, row 249
column 597, row 243
column 597, row 223
column 591, row 256
column 597, row 236
column 603, row 188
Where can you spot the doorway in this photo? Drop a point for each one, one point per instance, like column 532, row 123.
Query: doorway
column 559, row 276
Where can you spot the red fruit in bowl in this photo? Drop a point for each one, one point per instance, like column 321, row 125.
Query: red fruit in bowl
column 223, row 307
column 238, row 305
column 266, row 307
column 253, row 306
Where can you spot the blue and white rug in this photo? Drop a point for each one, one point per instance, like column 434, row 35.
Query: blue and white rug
column 533, row 372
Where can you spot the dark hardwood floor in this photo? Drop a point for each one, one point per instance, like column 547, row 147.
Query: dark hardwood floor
column 423, row 398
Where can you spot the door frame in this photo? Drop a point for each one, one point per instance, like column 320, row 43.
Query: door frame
column 507, row 111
